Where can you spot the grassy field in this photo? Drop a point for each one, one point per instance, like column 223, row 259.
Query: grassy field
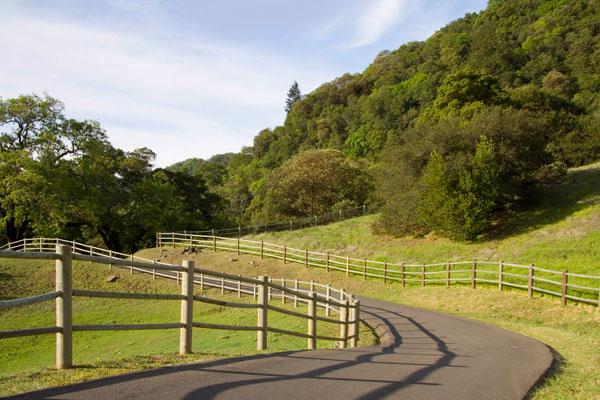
column 563, row 232
column 27, row 363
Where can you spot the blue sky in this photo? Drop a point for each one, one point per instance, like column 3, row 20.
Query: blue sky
column 197, row 78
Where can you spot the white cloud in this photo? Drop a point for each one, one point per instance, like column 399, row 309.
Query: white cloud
column 179, row 97
column 375, row 20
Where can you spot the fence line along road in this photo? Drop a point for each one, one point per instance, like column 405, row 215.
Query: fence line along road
column 263, row 291
column 563, row 284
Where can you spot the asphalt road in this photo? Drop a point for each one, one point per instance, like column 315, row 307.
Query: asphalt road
column 423, row 355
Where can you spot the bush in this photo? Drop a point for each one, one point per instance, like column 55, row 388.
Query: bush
column 452, row 176
column 314, row 181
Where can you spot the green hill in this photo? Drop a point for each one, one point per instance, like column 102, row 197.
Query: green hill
column 563, row 232
column 523, row 73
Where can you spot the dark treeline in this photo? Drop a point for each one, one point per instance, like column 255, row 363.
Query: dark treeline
column 60, row 177
column 456, row 132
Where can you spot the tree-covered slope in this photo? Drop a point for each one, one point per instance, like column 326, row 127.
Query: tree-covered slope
column 533, row 61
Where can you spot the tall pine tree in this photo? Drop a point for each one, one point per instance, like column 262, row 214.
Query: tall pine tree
column 293, row 96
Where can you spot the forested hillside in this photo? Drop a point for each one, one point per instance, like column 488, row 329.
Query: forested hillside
column 458, row 131
column 454, row 135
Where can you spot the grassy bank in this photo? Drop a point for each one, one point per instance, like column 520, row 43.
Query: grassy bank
column 27, row 363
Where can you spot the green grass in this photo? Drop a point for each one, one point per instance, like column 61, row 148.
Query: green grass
column 27, row 363
column 563, row 232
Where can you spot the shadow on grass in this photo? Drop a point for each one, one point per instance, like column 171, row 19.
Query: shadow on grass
column 578, row 190
column 4, row 277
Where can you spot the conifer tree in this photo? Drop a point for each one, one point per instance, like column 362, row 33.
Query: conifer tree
column 293, row 96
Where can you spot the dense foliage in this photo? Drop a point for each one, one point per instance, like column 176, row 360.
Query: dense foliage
column 460, row 127
column 314, row 182
column 61, row 177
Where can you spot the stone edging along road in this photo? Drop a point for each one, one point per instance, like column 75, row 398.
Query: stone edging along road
column 422, row 355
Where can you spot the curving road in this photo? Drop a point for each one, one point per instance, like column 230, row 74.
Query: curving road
column 423, row 355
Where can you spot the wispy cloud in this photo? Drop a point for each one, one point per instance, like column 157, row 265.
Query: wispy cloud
column 376, row 20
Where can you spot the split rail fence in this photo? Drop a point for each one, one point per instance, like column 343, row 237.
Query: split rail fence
column 263, row 290
column 534, row 279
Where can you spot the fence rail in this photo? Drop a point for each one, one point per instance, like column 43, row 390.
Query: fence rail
column 291, row 224
column 568, row 286
column 262, row 289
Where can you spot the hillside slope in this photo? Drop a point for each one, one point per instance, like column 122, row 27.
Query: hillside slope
column 562, row 232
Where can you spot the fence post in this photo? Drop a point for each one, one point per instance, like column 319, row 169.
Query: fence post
column 385, row 272
column 201, row 283
column 173, row 239
column 239, row 287
column 284, row 254
column 110, row 255
column 448, row 265
column 262, row 320
column 312, row 321
column 222, row 285
column 356, row 321
column 283, row 291
column 262, row 249
column 402, row 270
column 423, row 276
column 296, row 289
column 328, row 295
column 563, row 291
column 153, row 271
column 214, row 242
column 269, row 291
column 327, row 263
column 306, row 258
column 352, row 324
column 474, row 275
column 64, row 308
column 238, row 244
column 347, row 266
column 501, row 275
column 530, row 282
column 159, row 237
column 187, row 311
column 365, row 270
column 131, row 266
column 343, row 324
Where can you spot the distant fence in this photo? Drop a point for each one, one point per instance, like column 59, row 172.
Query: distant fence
column 262, row 289
column 291, row 224
column 564, row 284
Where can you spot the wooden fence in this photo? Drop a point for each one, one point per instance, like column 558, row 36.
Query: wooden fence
column 262, row 289
column 564, row 284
